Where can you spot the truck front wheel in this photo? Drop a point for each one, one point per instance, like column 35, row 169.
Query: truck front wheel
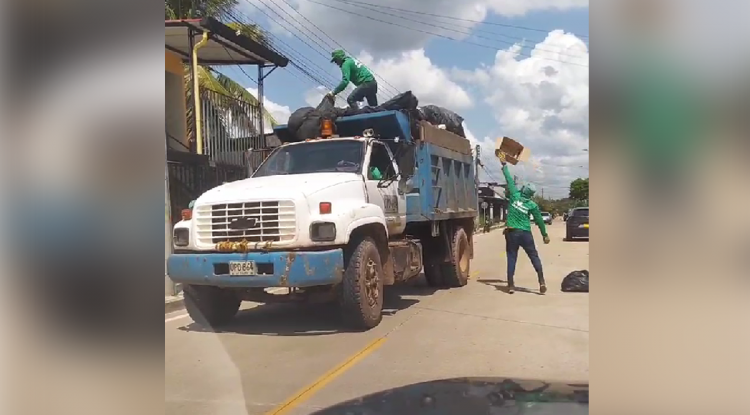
column 361, row 294
column 210, row 306
column 456, row 272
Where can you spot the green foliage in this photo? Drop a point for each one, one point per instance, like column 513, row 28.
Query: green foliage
column 183, row 9
column 579, row 189
column 208, row 80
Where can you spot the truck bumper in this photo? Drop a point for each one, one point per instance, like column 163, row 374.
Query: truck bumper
column 276, row 269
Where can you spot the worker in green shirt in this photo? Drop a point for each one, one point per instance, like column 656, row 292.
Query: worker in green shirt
column 355, row 72
column 518, row 229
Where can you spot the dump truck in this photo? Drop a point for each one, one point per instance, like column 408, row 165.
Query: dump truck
column 372, row 202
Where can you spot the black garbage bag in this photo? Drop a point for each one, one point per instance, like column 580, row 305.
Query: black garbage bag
column 297, row 118
column 403, row 101
column 304, row 123
column 438, row 115
column 576, row 282
column 327, row 107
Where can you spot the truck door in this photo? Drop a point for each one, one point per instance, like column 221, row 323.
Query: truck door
column 384, row 191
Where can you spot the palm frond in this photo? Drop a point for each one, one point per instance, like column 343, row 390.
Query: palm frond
column 169, row 13
column 186, row 9
column 241, row 93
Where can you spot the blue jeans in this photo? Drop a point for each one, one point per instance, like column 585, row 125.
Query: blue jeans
column 367, row 91
column 515, row 239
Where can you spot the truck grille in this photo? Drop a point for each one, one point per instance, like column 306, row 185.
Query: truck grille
column 267, row 221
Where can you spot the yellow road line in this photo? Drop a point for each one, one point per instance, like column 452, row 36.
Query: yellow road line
column 308, row 391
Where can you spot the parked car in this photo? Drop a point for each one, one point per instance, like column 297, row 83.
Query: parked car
column 547, row 218
column 577, row 225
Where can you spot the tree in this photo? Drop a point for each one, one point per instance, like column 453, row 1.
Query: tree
column 210, row 80
column 194, row 9
column 579, row 189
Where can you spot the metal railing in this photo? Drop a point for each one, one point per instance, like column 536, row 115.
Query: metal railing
column 230, row 128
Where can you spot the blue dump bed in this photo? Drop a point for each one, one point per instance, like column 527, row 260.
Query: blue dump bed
column 443, row 184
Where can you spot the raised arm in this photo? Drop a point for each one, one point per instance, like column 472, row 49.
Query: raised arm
column 539, row 220
column 346, row 70
column 512, row 189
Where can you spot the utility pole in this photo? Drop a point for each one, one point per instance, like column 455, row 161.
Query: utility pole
column 477, row 152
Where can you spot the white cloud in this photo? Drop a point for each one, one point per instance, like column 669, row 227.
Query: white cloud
column 410, row 71
column 413, row 70
column 543, row 103
column 361, row 26
column 279, row 112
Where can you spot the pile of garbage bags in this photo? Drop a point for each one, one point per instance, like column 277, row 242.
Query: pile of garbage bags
column 576, row 282
column 305, row 122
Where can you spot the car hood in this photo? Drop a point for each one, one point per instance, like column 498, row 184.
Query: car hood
column 469, row 396
column 276, row 187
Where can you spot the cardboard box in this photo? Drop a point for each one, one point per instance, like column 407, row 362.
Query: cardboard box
column 512, row 149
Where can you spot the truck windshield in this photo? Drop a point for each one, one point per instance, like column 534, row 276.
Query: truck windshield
column 314, row 157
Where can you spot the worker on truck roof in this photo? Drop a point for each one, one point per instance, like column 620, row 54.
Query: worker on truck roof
column 355, row 72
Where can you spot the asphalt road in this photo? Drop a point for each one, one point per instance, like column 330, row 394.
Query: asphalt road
column 294, row 359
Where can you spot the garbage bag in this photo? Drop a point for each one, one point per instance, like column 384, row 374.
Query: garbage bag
column 438, row 115
column 576, row 282
column 304, row 123
column 297, row 118
column 327, row 106
column 405, row 101
column 402, row 101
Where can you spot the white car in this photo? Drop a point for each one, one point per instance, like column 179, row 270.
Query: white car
column 547, row 218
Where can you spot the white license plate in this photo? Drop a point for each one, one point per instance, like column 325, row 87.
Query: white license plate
column 242, row 268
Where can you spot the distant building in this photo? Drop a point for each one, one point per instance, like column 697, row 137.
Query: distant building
column 492, row 202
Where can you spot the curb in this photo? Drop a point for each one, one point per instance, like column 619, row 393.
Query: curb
column 175, row 303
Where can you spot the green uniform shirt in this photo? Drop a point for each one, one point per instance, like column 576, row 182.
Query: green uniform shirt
column 520, row 206
column 355, row 72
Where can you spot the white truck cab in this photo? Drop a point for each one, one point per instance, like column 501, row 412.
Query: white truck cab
column 307, row 194
column 332, row 218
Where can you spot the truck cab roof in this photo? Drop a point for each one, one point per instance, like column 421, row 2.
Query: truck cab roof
column 385, row 124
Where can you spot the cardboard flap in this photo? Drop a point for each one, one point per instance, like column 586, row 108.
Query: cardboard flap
column 513, row 150
column 444, row 138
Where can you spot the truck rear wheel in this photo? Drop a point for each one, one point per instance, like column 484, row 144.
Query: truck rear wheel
column 361, row 295
column 210, row 306
column 456, row 272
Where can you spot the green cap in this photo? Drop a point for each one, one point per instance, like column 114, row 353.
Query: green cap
column 338, row 54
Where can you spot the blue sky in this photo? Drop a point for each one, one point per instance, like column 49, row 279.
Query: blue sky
column 539, row 96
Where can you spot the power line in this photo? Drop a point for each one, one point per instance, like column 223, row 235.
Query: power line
column 335, row 43
column 301, row 32
column 375, row 7
column 433, row 34
column 465, row 20
column 299, row 66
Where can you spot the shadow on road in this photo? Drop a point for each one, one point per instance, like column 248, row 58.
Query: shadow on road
column 299, row 319
column 502, row 285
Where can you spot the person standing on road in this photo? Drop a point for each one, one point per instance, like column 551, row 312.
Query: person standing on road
column 355, row 72
column 518, row 229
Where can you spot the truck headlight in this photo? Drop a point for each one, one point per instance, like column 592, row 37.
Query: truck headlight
column 181, row 237
column 323, row 231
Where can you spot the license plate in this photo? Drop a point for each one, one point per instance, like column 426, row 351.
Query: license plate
column 585, row 225
column 242, row 268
